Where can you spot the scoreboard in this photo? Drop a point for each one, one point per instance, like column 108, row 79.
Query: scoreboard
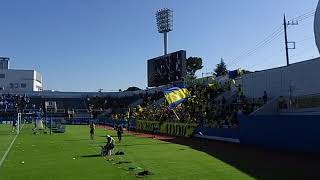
column 166, row 69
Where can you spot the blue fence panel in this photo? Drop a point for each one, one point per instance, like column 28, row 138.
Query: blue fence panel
column 291, row 132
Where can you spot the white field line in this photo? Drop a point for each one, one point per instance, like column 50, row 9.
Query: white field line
column 9, row 148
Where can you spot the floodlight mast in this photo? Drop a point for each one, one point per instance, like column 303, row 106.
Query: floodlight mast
column 164, row 19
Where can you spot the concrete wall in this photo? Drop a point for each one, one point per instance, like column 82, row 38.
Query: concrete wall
column 285, row 132
column 302, row 78
column 271, row 108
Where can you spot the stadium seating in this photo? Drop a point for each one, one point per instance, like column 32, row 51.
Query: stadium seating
column 217, row 105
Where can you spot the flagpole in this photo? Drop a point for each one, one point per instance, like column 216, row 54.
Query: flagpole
column 176, row 114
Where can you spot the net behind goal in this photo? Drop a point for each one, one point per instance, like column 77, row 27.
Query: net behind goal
column 11, row 125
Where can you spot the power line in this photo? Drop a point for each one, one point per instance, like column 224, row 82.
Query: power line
column 305, row 16
column 267, row 59
column 303, row 51
column 293, row 22
column 273, row 36
column 285, row 25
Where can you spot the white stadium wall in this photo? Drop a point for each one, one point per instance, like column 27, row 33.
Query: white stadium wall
column 302, row 78
column 317, row 26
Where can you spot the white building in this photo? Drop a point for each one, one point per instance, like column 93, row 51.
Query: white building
column 18, row 81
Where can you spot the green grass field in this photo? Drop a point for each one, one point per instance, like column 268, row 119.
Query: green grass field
column 6, row 136
column 52, row 157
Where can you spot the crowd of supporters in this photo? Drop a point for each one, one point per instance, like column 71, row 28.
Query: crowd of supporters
column 13, row 102
column 104, row 103
column 150, row 98
column 207, row 106
column 122, row 102
column 118, row 106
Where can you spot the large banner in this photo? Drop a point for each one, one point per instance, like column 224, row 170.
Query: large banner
column 175, row 129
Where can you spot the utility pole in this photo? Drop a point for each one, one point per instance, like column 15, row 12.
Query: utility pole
column 285, row 25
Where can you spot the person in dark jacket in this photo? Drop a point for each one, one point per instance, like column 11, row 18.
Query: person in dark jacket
column 92, row 127
column 119, row 133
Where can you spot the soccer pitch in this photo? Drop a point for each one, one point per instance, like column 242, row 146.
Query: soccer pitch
column 6, row 137
column 52, row 157
column 72, row 156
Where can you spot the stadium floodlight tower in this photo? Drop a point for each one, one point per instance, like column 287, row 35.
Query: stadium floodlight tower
column 165, row 24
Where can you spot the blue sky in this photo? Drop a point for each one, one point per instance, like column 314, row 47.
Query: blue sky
column 81, row 45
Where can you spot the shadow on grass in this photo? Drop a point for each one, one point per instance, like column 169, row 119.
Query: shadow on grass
column 258, row 162
column 124, row 162
column 91, row 156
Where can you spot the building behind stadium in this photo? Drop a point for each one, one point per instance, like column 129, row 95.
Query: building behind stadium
column 18, row 80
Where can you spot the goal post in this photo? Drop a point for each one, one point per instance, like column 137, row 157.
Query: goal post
column 18, row 123
column 50, row 106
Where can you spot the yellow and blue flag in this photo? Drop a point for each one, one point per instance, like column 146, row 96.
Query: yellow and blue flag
column 176, row 96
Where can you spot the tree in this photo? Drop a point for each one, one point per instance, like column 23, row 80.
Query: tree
column 221, row 68
column 193, row 65
column 133, row 89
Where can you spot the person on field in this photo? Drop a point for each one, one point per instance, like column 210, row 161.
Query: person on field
column 265, row 97
column 119, row 132
column 110, row 145
column 39, row 127
column 92, row 127
column 14, row 125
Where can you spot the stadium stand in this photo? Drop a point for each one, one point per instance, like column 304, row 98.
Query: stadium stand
column 208, row 107
column 11, row 104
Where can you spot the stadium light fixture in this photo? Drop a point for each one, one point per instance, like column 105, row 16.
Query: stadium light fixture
column 164, row 19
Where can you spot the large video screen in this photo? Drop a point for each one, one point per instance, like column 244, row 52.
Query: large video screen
column 166, row 69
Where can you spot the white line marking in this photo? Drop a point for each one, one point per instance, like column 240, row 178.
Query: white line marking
column 9, row 148
column 7, row 152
